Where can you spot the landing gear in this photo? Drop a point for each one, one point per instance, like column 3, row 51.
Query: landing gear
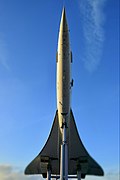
column 49, row 172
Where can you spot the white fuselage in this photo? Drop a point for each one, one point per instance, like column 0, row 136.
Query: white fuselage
column 63, row 72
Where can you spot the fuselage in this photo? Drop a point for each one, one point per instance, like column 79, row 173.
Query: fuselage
column 63, row 71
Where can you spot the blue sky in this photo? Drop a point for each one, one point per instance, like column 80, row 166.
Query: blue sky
column 28, row 45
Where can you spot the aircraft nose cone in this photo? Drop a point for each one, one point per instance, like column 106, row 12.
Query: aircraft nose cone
column 63, row 23
column 64, row 13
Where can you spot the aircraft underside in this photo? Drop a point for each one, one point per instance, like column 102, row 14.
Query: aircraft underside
column 78, row 157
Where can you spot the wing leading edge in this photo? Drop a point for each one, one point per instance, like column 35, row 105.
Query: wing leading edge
column 78, row 156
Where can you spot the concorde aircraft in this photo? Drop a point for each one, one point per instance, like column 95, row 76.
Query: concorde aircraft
column 64, row 155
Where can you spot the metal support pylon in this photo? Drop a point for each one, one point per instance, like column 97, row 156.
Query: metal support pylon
column 64, row 153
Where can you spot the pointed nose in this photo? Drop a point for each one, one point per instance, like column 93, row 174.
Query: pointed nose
column 63, row 23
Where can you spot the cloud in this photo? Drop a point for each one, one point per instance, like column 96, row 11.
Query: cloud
column 108, row 176
column 8, row 172
column 92, row 17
